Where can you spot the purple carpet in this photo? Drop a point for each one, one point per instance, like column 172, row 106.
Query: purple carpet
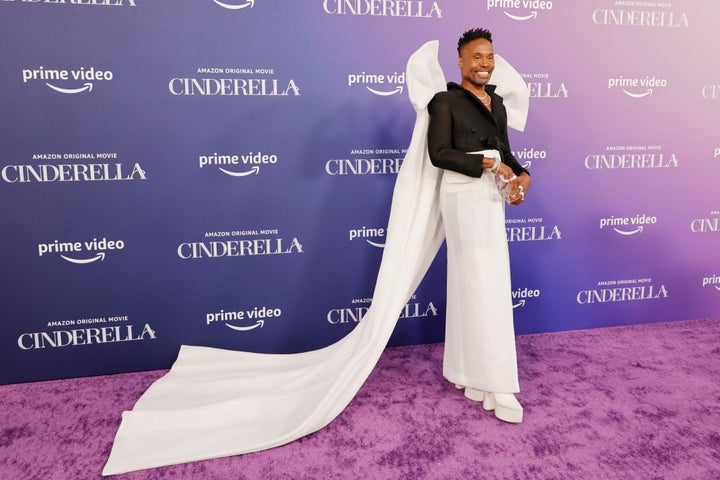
column 636, row 402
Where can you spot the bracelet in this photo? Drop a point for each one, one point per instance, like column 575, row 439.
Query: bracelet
column 496, row 165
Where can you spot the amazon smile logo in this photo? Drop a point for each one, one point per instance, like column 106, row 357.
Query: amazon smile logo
column 532, row 16
column 67, row 81
column 529, row 7
column 238, row 165
column 81, row 253
column 236, row 5
column 383, row 85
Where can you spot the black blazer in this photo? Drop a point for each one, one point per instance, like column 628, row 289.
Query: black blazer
column 459, row 123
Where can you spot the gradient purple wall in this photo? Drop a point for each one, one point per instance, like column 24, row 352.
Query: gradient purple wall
column 186, row 172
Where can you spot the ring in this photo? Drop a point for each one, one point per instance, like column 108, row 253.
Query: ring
column 521, row 188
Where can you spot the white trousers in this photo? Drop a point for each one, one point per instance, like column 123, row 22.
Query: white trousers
column 480, row 335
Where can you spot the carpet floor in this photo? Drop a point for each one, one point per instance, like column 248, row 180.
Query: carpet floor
column 634, row 402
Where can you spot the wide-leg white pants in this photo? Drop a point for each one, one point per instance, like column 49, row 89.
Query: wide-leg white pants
column 480, row 335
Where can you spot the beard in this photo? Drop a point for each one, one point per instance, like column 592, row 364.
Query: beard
column 480, row 80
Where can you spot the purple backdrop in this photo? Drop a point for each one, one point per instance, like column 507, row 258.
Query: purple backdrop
column 219, row 172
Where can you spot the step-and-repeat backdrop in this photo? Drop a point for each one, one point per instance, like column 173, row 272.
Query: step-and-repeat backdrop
column 219, row 172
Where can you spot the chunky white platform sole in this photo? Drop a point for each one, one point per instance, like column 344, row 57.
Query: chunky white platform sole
column 506, row 406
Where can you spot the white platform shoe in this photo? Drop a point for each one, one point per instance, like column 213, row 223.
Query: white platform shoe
column 506, row 406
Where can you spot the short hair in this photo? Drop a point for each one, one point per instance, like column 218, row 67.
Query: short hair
column 473, row 34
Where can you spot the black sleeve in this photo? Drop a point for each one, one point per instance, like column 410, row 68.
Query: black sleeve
column 440, row 143
column 507, row 156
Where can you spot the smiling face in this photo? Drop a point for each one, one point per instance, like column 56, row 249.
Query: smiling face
column 476, row 62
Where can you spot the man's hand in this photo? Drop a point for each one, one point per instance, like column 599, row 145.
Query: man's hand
column 517, row 194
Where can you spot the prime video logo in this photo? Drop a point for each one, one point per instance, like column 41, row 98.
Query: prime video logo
column 533, row 5
column 54, row 78
column 249, row 163
column 70, row 250
column 713, row 281
column 256, row 314
column 367, row 234
column 380, row 84
column 637, row 87
column 628, row 225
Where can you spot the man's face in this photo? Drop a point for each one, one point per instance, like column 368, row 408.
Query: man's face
column 477, row 62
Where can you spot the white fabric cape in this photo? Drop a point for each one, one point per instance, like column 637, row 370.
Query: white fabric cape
column 215, row 403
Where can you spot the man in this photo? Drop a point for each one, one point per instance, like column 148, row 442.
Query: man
column 177, row 422
column 480, row 338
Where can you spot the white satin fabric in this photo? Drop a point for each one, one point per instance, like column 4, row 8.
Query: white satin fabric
column 215, row 403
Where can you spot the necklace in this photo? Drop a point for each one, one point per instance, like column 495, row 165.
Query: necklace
column 482, row 99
